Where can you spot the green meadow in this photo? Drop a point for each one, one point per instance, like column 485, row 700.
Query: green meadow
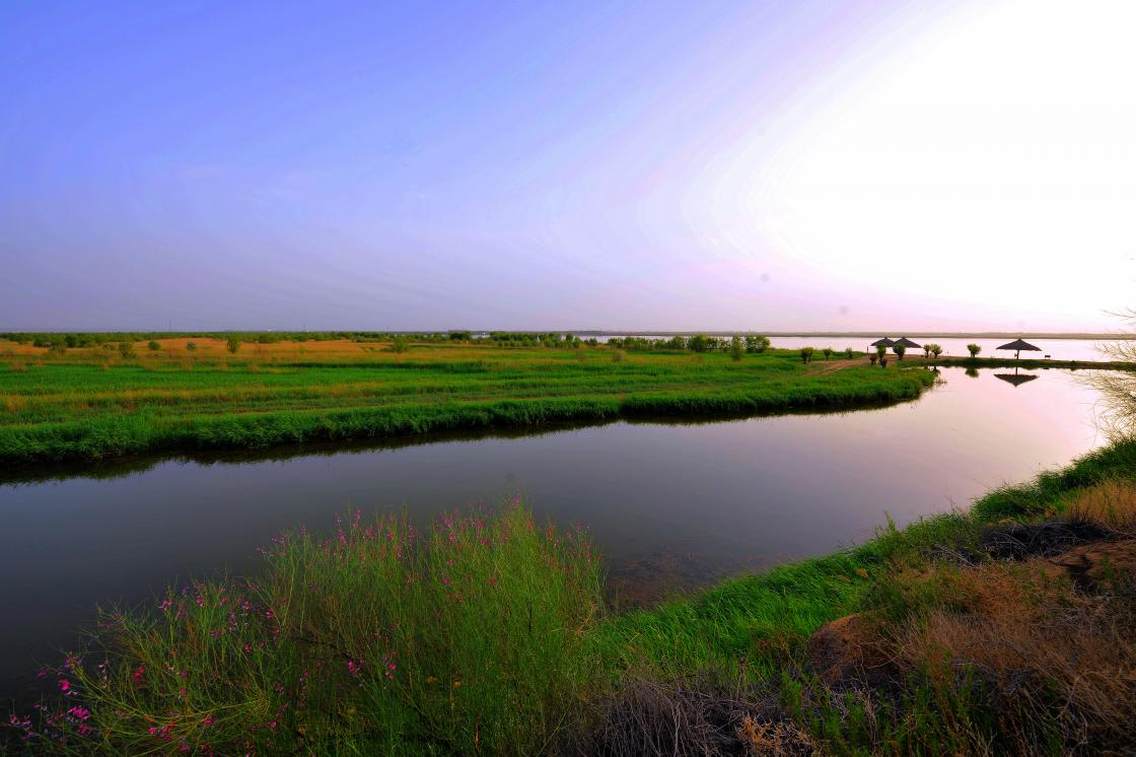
column 88, row 404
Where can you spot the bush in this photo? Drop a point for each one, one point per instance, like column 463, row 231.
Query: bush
column 899, row 350
column 470, row 637
column 233, row 343
column 827, row 351
column 757, row 343
column 807, row 354
column 936, row 350
column 399, row 344
column 974, row 349
column 737, row 351
column 126, row 350
column 848, row 352
column 153, row 346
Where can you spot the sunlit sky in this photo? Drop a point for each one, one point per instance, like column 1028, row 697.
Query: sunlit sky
column 772, row 166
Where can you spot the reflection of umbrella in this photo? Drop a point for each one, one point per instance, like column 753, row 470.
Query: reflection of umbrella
column 1015, row 378
column 1017, row 346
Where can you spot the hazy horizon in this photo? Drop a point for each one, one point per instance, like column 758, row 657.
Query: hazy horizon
column 951, row 167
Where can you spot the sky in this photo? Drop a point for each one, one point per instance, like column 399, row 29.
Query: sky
column 645, row 166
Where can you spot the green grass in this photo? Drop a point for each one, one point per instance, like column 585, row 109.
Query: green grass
column 68, row 410
column 489, row 635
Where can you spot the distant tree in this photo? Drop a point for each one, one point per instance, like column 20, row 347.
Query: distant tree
column 699, row 343
column 737, row 349
column 126, row 349
column 757, row 343
column 926, row 350
column 807, row 354
column 153, row 346
column 191, row 346
column 848, row 352
column 265, row 339
column 827, row 352
column 936, row 350
column 899, row 350
column 974, row 350
column 400, row 343
column 460, row 336
column 233, row 343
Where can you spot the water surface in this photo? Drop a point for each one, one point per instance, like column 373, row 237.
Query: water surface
column 672, row 506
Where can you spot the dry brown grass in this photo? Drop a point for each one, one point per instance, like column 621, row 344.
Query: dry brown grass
column 694, row 717
column 1111, row 505
column 1043, row 652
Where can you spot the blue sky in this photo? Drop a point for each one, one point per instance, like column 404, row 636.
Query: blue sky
column 564, row 165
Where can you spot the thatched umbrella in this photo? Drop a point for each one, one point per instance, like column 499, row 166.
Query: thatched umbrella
column 907, row 343
column 1017, row 346
column 885, row 343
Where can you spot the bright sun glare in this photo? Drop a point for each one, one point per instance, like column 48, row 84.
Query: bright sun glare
column 995, row 154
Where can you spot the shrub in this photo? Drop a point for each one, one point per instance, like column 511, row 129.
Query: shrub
column 399, row 343
column 153, row 346
column 974, row 349
column 757, row 343
column 233, row 343
column 807, row 354
column 737, row 351
column 848, row 352
column 899, row 350
column 126, row 350
column 936, row 349
column 827, row 352
column 881, row 351
column 699, row 343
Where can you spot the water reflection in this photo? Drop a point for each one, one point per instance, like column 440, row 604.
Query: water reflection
column 672, row 506
column 1017, row 378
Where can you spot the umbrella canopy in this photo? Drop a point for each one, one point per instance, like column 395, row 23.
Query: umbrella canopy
column 885, row 342
column 907, row 343
column 1018, row 345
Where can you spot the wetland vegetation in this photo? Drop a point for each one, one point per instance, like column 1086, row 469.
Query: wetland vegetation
column 112, row 398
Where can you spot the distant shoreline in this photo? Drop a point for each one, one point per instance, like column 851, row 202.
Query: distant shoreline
column 872, row 334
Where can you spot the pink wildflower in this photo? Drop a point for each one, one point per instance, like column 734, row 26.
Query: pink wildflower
column 65, row 686
column 79, row 713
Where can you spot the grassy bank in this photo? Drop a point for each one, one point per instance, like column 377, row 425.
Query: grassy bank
column 489, row 634
column 89, row 405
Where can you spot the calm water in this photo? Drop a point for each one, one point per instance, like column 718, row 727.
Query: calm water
column 1057, row 349
column 671, row 506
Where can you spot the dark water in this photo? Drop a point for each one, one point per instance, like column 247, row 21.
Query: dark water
column 672, row 506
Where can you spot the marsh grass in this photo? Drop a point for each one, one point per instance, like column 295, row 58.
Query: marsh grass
column 468, row 638
column 77, row 410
